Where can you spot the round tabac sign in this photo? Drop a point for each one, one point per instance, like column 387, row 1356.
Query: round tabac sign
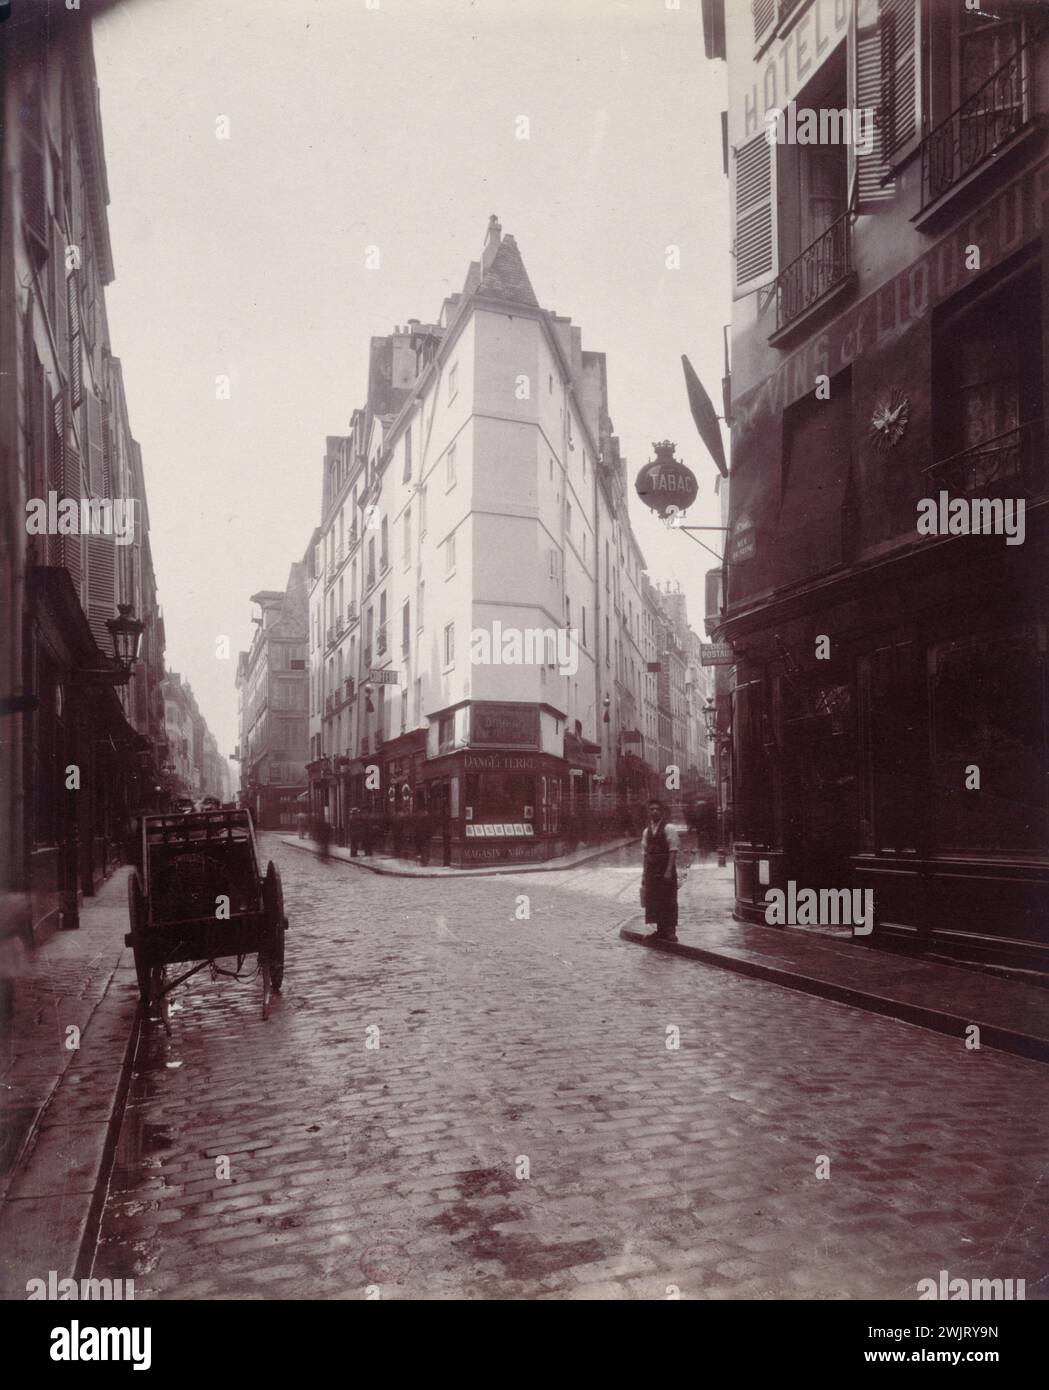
column 665, row 484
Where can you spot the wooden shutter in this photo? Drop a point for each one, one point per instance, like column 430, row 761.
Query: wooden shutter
column 764, row 12
column 869, row 184
column 101, row 582
column 34, row 199
column 72, row 557
column 899, row 52
column 753, row 222
column 76, row 355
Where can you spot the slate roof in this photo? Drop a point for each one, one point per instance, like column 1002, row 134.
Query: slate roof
column 506, row 277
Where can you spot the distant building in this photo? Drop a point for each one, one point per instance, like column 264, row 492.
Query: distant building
column 479, row 503
column 273, row 690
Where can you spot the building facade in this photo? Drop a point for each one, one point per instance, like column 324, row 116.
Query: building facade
column 481, row 645
column 273, row 690
column 81, row 745
column 885, row 591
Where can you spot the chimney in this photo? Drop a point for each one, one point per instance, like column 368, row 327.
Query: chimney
column 493, row 237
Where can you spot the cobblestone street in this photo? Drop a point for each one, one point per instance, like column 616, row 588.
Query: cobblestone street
column 511, row 1046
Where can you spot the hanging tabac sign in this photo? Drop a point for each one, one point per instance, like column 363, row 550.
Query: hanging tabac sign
column 665, row 484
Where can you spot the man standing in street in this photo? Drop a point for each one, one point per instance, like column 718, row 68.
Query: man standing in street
column 660, row 847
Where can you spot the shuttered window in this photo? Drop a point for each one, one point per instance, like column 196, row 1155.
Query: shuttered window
column 900, row 120
column 34, row 201
column 869, row 181
column 76, row 351
column 764, row 12
column 752, row 203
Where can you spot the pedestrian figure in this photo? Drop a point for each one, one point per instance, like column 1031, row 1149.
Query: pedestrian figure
column 324, row 837
column 660, row 847
column 354, row 829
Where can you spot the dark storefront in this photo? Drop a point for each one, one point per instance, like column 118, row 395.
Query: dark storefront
column 889, row 702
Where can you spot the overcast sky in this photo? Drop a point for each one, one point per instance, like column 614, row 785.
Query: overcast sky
column 351, row 126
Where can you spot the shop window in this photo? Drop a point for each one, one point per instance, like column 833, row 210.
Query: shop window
column 895, row 738
column 989, row 712
column 751, row 735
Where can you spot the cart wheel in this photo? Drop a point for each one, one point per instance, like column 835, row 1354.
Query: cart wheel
column 136, row 906
column 276, row 923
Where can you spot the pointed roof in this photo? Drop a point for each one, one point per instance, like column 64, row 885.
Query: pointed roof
column 505, row 276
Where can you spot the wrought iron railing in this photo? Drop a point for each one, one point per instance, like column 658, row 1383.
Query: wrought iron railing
column 348, row 688
column 809, row 277
column 1009, row 464
column 984, row 122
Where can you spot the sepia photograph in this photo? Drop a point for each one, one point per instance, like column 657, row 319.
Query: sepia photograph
column 524, row 708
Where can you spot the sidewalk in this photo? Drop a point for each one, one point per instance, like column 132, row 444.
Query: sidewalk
column 60, row 1103
column 408, row 868
column 1012, row 1014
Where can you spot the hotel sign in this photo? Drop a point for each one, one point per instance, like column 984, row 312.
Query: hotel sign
column 505, row 725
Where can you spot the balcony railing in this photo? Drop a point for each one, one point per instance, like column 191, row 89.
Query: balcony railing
column 330, row 636
column 1011, row 464
column 351, row 614
column 329, row 703
column 348, row 688
column 370, row 579
column 984, row 122
column 338, row 626
column 380, row 642
column 823, row 265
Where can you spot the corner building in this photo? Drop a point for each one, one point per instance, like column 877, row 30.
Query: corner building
column 905, row 753
column 480, row 491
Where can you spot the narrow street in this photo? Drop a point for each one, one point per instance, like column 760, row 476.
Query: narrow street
column 509, row 1046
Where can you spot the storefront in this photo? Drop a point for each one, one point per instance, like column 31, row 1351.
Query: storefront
column 503, row 807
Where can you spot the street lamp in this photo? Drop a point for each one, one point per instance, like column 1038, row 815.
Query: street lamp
column 368, row 706
column 710, row 718
column 126, row 631
column 605, row 704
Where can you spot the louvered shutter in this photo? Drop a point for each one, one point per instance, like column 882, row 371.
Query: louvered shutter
column 869, row 185
column 53, row 461
column 95, row 451
column 754, row 231
column 72, row 487
column 76, row 354
column 899, row 50
column 59, row 306
column 101, row 571
column 764, row 12
column 34, row 200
